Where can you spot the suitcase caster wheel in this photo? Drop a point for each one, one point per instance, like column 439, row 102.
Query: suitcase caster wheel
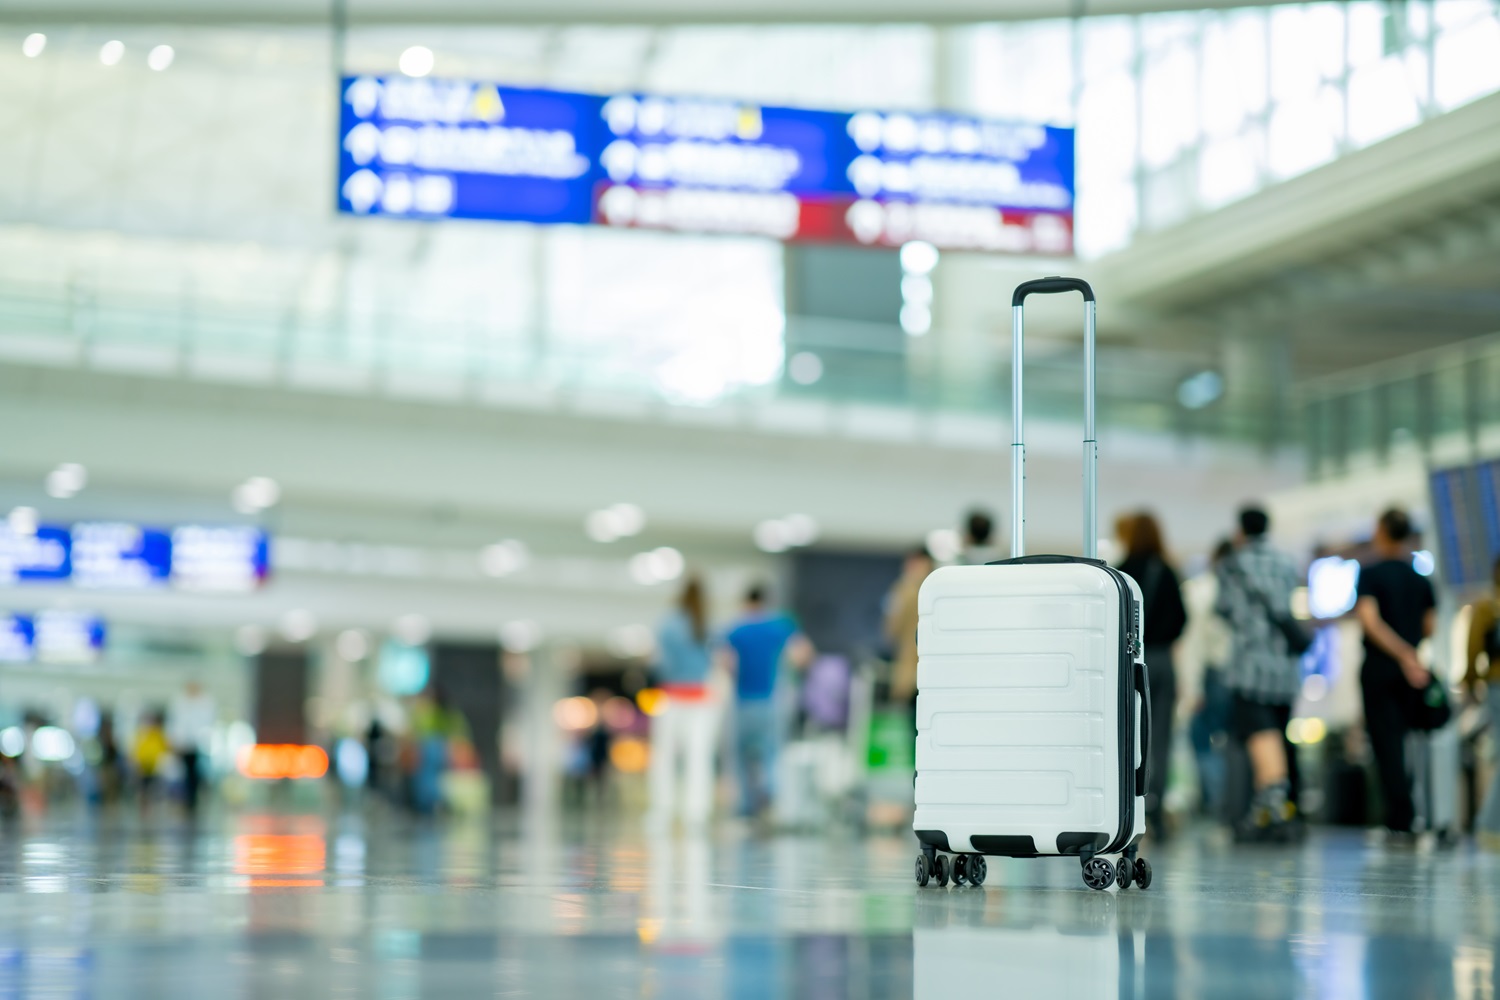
column 940, row 870
column 977, row 869
column 1098, row 873
column 922, row 872
column 960, row 869
column 1143, row 873
column 1124, row 869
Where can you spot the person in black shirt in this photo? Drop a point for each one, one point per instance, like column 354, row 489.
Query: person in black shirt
column 1396, row 608
column 1164, row 619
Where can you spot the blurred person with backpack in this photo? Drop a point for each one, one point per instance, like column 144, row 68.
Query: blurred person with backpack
column 1164, row 618
column 1264, row 670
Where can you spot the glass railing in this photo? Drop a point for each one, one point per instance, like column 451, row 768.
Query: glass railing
column 808, row 361
column 1437, row 399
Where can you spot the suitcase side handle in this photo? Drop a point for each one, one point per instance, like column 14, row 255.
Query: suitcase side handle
column 1050, row 286
column 1143, row 688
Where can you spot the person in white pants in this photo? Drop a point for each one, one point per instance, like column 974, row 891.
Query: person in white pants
column 682, row 734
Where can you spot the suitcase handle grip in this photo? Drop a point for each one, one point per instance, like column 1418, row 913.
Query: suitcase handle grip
column 1143, row 688
column 1050, row 286
column 1041, row 560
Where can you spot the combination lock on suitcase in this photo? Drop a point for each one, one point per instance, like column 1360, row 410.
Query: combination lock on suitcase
column 1033, row 718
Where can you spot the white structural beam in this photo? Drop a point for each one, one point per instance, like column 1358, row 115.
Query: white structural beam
column 667, row 12
column 706, row 486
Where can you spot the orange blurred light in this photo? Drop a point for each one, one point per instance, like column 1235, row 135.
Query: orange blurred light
column 282, row 760
column 285, row 857
column 575, row 713
column 629, row 756
column 652, row 701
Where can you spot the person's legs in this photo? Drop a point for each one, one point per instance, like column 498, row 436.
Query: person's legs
column 190, row 780
column 698, row 744
column 1386, row 726
column 1163, row 686
column 1260, row 726
column 663, row 778
column 745, row 755
column 755, row 721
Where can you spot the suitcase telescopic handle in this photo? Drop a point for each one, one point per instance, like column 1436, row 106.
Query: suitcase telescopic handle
column 1052, row 286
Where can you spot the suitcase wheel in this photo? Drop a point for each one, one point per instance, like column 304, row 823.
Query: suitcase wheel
column 940, row 870
column 977, row 868
column 1143, row 873
column 960, row 869
column 922, row 872
column 1098, row 873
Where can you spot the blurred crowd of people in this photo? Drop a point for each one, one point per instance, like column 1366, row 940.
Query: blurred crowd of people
column 746, row 655
column 164, row 757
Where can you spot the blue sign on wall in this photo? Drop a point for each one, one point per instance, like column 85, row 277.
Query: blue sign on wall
column 464, row 150
column 44, row 555
column 53, row 636
column 115, row 555
column 122, row 556
column 429, row 148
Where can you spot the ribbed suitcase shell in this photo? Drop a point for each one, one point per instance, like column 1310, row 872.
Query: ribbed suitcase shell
column 1024, row 686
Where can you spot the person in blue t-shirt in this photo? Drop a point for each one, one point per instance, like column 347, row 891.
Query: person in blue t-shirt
column 758, row 640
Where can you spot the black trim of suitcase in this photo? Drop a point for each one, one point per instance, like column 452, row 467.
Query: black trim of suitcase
column 1024, row 846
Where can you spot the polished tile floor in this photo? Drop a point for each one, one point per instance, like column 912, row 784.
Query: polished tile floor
column 376, row 906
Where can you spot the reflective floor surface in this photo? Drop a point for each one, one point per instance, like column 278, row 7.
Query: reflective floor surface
column 377, row 906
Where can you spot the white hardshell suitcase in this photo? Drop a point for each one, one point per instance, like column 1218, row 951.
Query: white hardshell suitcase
column 1033, row 718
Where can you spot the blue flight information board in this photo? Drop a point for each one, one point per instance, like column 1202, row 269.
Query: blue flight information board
column 456, row 149
column 108, row 555
column 120, row 556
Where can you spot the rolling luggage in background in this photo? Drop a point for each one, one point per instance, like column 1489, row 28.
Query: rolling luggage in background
column 1433, row 759
column 1033, row 719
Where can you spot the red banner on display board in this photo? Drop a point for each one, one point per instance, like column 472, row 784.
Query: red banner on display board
column 835, row 219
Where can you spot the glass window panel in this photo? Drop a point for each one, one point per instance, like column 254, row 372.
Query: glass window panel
column 1105, row 217
column 1418, row 20
column 1324, row 25
column 1300, row 138
column 885, row 66
column 1294, row 57
column 1449, row 396
column 1381, row 102
column 1170, row 113
column 1163, row 31
column 1106, row 128
column 1108, row 46
column 1023, row 71
column 1247, row 42
column 1228, row 170
column 1232, row 74
column 1366, row 33
column 1468, row 63
column 716, row 324
column 1456, row 13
